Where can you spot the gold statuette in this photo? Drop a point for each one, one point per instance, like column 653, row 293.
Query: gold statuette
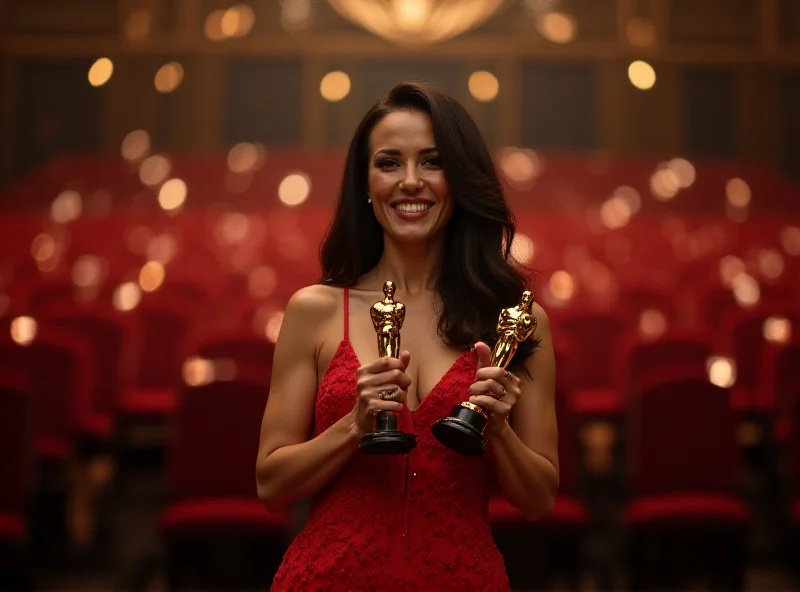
column 463, row 430
column 387, row 318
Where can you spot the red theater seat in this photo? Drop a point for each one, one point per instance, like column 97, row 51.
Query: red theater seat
column 684, row 464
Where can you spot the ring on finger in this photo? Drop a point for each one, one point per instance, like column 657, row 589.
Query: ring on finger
column 503, row 394
column 508, row 375
column 388, row 395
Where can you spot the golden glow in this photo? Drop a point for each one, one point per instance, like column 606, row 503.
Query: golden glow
column 652, row 323
column 746, row 290
column 641, row 32
column 154, row 170
column 101, row 72
column 66, row 207
column 127, row 296
column 630, row 196
column 557, row 27
column 615, row 213
column 88, row 271
column 43, row 247
column 198, row 371
column 664, row 183
column 135, row 145
column 334, row 86
column 23, row 330
column 684, row 172
column 790, row 240
column 151, row 276
column 213, row 25
column 162, row 248
column 168, row 77
column 738, row 193
column 237, row 21
column 172, row 194
column 245, row 157
column 777, row 329
column 642, row 75
column 721, row 371
column 770, row 263
column 416, row 22
column 483, row 86
column 137, row 25
column 562, row 286
column 730, row 267
column 520, row 167
column 294, row 189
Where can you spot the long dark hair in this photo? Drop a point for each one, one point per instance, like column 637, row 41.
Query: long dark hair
column 478, row 279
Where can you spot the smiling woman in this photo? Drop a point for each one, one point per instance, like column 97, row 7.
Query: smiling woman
column 420, row 205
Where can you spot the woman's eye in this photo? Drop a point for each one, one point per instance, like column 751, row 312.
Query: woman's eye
column 433, row 161
column 386, row 163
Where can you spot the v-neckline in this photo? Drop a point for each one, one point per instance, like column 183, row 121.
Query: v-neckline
column 346, row 341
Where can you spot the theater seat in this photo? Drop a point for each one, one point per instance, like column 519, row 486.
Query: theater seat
column 566, row 511
column 214, row 514
column 686, row 508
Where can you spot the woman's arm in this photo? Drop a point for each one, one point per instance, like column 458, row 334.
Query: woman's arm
column 526, row 457
column 289, row 467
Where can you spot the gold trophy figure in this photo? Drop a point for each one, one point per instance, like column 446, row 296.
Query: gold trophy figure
column 387, row 318
column 463, row 430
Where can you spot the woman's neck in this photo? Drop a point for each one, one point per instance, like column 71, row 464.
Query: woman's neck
column 412, row 267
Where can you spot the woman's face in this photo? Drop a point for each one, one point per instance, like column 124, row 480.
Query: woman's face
column 409, row 193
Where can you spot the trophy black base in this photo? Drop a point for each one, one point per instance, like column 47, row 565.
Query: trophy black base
column 387, row 439
column 462, row 432
column 392, row 442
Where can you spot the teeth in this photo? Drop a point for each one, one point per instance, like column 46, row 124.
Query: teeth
column 416, row 207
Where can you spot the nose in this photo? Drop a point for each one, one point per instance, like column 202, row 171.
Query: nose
column 411, row 182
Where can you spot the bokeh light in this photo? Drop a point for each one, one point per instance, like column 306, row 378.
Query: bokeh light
column 721, row 371
column 127, row 296
column 168, row 77
column 294, row 189
column 151, row 276
column 642, row 75
column 172, row 194
column 135, row 145
column 557, row 27
column 483, row 86
column 101, row 72
column 334, row 86
column 23, row 330
column 522, row 248
column 777, row 329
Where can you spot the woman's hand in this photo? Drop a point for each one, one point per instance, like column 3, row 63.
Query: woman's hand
column 382, row 385
column 495, row 389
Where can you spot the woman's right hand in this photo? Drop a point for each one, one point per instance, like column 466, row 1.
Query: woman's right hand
column 384, row 375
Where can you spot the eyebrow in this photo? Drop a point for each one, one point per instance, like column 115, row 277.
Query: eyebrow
column 393, row 152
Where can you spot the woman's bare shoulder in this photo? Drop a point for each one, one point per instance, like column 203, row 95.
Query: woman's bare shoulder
column 315, row 303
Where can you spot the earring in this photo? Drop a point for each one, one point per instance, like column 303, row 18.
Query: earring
column 369, row 200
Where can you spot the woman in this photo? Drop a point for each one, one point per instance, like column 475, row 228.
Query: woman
column 420, row 205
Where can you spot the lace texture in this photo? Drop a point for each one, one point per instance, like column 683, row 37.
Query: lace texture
column 414, row 522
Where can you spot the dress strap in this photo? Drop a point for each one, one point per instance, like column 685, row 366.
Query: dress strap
column 346, row 309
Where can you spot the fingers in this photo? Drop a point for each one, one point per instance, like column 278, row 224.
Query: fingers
column 386, row 397
column 390, row 377
column 387, row 363
column 499, row 374
column 484, row 354
column 491, row 404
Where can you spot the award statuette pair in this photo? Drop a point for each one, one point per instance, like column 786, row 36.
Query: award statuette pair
column 463, row 430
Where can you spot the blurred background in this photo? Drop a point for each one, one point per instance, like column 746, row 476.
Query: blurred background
column 169, row 167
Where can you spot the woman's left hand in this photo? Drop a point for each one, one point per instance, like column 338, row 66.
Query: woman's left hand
column 495, row 389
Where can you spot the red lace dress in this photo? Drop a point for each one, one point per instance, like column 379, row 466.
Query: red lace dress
column 414, row 522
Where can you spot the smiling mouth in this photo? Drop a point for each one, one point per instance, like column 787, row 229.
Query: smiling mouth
column 412, row 208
